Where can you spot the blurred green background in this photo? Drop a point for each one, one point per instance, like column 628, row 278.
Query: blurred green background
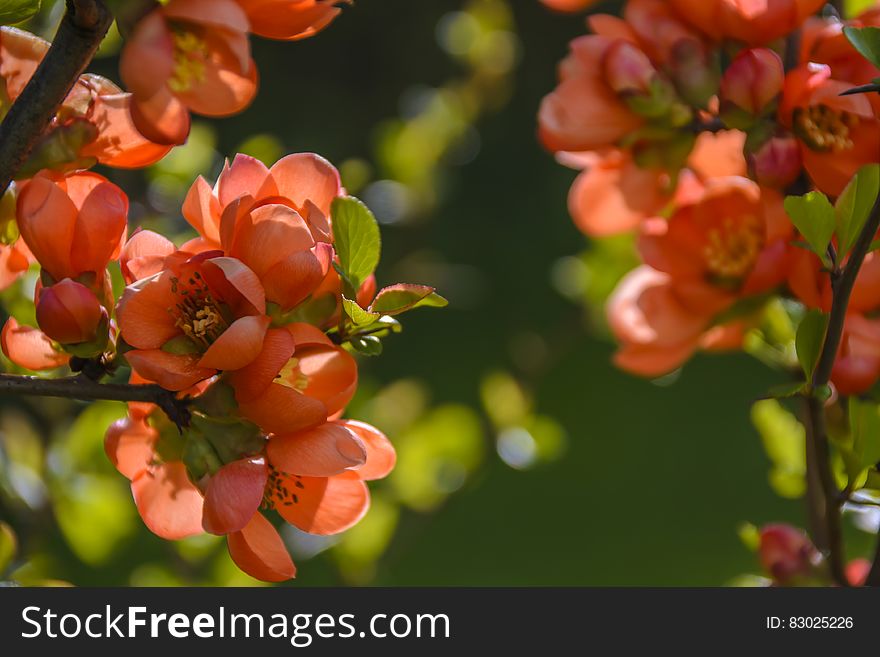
column 525, row 457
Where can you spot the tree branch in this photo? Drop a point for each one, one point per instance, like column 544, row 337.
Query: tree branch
column 842, row 284
column 85, row 389
column 80, row 33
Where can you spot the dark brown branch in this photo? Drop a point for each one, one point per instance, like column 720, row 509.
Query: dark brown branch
column 80, row 33
column 85, row 389
column 842, row 283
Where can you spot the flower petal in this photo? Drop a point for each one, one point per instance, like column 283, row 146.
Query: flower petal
column 250, row 381
column 381, row 456
column 169, row 503
column 129, row 444
column 320, row 452
column 30, row 348
column 143, row 313
column 233, row 495
column 324, row 505
column 280, row 409
column 259, row 551
column 175, row 372
column 238, row 345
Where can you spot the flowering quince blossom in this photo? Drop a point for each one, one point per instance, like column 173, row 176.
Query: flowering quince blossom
column 725, row 245
column 290, row 20
column 187, row 55
column 314, row 479
column 93, row 124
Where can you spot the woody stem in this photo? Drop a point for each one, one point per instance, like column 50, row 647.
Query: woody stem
column 86, row 389
column 80, row 33
column 842, row 283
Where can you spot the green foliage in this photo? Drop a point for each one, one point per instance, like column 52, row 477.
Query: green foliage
column 862, row 449
column 867, row 41
column 16, row 11
column 813, row 215
column 784, row 440
column 399, row 298
column 357, row 241
column 809, row 340
column 8, row 547
column 854, row 205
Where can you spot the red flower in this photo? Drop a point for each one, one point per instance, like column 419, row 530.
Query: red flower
column 290, row 19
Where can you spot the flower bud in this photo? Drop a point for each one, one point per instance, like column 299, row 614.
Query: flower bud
column 752, row 82
column 694, row 71
column 786, row 553
column 70, row 313
column 628, row 70
column 777, row 163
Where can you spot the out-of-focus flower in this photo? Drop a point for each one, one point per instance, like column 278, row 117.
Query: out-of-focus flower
column 584, row 112
column 838, row 134
column 787, row 553
column 299, row 379
column 290, row 19
column 754, row 23
column 187, row 55
column 752, row 82
column 569, row 6
column 200, row 314
column 73, row 225
column 777, row 163
column 728, row 242
column 823, row 42
column 275, row 220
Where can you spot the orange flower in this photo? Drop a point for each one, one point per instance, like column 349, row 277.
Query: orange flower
column 837, row 134
column 755, row 22
column 728, row 241
column 317, row 484
column 95, row 118
column 290, row 19
column 299, row 379
column 584, row 112
column 187, row 55
column 275, row 220
column 200, row 314
column 660, row 32
column 613, row 194
column 823, row 42
column 73, row 225
column 14, row 261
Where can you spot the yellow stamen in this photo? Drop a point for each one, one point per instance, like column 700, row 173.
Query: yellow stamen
column 190, row 53
column 733, row 248
column 825, row 129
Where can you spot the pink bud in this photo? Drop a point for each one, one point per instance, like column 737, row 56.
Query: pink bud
column 628, row 70
column 786, row 552
column 69, row 312
column 777, row 163
column 753, row 80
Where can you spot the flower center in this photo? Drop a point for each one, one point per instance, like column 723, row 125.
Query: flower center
column 190, row 52
column 198, row 313
column 825, row 129
column 732, row 249
column 292, row 376
column 281, row 488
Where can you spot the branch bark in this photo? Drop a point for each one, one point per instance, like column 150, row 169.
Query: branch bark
column 83, row 388
column 842, row 285
column 80, row 33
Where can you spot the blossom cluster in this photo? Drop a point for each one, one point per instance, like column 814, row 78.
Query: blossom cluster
column 250, row 327
column 690, row 123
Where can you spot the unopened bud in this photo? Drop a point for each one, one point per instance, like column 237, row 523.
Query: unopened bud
column 70, row 313
column 777, row 163
column 752, row 82
column 786, row 553
column 628, row 70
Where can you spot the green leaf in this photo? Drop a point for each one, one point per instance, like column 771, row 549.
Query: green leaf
column 368, row 345
column 867, row 41
column 854, row 205
column 785, row 390
column 399, row 298
column 16, row 11
column 813, row 215
column 358, row 315
column 809, row 339
column 8, row 547
column 864, row 421
column 356, row 238
column 784, row 441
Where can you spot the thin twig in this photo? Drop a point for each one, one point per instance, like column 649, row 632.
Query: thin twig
column 842, row 283
column 80, row 33
column 86, row 389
